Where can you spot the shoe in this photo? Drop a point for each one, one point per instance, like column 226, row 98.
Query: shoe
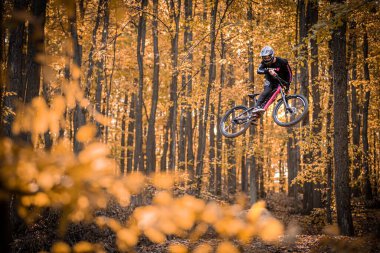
column 259, row 109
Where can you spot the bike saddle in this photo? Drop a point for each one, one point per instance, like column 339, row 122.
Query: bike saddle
column 252, row 96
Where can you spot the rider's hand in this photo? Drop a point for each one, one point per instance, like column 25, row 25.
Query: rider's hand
column 272, row 72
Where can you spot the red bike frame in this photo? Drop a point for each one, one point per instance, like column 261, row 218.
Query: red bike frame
column 273, row 97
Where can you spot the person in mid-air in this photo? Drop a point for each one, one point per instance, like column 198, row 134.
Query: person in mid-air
column 271, row 67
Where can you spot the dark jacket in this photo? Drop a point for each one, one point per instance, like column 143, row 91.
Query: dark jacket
column 281, row 67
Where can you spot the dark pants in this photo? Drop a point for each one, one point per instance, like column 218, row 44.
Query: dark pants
column 269, row 88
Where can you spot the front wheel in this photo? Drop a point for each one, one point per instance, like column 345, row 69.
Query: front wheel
column 298, row 107
column 235, row 122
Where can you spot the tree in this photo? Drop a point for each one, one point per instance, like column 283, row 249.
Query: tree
column 16, row 59
column 316, row 128
column 123, row 135
column 79, row 114
column 151, row 138
column 2, row 61
column 366, row 172
column 355, row 113
column 251, row 160
column 90, row 70
column 131, row 130
column 189, row 84
column 219, row 143
column 141, row 31
column 342, row 189
column 304, row 84
column 211, row 79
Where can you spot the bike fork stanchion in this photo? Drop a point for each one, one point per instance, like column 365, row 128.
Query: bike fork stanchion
column 285, row 101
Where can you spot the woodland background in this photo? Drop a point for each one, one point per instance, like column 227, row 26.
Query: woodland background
column 102, row 98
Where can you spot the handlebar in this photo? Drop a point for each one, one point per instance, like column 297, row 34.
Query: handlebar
column 281, row 80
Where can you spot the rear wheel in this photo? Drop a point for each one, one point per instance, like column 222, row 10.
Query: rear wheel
column 298, row 107
column 235, row 122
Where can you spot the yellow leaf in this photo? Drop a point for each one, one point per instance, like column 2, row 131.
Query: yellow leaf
column 45, row 180
column 154, row 235
column 60, row 247
column 75, row 71
column 127, row 236
column 135, row 182
column 163, row 198
column 245, row 235
column 177, row 248
column 41, row 199
column 163, row 181
column 256, row 211
column 203, row 248
column 83, row 247
column 270, row 229
column 211, row 213
column 86, row 133
column 226, row 247
column 92, row 152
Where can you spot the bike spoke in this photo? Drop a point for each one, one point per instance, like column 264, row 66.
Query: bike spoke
column 294, row 113
column 235, row 122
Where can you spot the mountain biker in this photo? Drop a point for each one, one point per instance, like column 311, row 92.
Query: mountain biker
column 272, row 66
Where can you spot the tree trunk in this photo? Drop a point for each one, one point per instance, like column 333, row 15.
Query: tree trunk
column 35, row 47
column 329, row 144
column 183, row 132
column 317, row 120
column 109, row 89
column 5, row 228
column 123, row 135
column 211, row 79
column 36, row 39
column 175, row 16
column 100, row 65
column 251, row 161
column 200, row 113
column 244, row 169
column 138, row 152
column 212, row 147
column 366, row 172
column 260, row 168
column 292, row 143
column 2, row 63
column 131, row 129
column 304, row 84
column 16, row 60
column 151, row 138
column 92, row 49
column 219, row 145
column 341, row 158
column 79, row 114
column 231, row 169
column 231, row 144
column 355, row 118
column 375, row 165
column 189, row 83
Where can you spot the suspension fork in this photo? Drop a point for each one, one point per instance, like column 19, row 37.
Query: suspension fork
column 284, row 99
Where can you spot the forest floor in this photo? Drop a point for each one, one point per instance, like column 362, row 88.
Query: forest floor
column 313, row 233
column 310, row 232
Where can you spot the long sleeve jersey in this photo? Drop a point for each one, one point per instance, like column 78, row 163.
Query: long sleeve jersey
column 281, row 67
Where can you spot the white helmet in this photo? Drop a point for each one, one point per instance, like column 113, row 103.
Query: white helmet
column 267, row 51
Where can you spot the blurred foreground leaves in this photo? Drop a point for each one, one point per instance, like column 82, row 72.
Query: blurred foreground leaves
column 80, row 184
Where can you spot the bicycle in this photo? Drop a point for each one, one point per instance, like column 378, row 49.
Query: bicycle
column 289, row 110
